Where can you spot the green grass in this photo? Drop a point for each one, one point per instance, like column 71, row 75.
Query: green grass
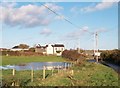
column 88, row 74
column 92, row 74
column 6, row 60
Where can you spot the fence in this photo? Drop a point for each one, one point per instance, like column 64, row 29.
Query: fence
column 22, row 77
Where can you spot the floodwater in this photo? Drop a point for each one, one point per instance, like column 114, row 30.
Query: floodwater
column 37, row 66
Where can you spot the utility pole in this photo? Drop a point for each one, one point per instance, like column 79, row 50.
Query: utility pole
column 78, row 45
column 96, row 37
column 94, row 44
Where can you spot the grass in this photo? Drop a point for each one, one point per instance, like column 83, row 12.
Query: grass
column 23, row 77
column 6, row 60
column 86, row 74
column 89, row 74
column 95, row 75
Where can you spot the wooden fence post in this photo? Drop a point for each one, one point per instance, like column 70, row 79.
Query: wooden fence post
column 32, row 73
column 13, row 71
column 43, row 72
column 65, row 66
column 52, row 71
column 58, row 68
column 72, row 72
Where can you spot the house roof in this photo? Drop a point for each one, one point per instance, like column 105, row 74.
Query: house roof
column 58, row 45
column 15, row 47
column 41, row 46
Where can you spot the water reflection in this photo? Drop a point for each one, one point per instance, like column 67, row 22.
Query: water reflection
column 37, row 65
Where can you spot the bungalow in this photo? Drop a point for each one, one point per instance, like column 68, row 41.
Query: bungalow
column 49, row 49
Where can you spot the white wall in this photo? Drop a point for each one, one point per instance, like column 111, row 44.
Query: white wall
column 49, row 49
column 58, row 49
column 18, row 49
column 52, row 50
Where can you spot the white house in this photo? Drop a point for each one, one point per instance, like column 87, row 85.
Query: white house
column 58, row 49
column 49, row 49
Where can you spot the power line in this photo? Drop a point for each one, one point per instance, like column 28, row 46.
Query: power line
column 63, row 18
column 60, row 16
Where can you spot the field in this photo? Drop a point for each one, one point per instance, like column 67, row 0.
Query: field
column 87, row 74
column 6, row 60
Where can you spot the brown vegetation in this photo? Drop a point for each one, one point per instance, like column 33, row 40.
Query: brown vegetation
column 112, row 56
column 21, row 53
column 74, row 56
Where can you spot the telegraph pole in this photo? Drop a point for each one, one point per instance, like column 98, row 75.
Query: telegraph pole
column 94, row 44
column 96, row 37
column 78, row 45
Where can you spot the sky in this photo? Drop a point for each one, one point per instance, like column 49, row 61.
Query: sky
column 70, row 23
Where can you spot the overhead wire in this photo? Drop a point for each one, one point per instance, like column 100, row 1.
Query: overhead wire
column 60, row 16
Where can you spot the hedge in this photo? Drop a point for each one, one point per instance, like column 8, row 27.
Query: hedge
column 20, row 53
column 112, row 56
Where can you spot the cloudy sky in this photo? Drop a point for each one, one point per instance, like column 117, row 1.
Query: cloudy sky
column 70, row 23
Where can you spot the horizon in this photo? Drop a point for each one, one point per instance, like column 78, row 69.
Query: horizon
column 31, row 23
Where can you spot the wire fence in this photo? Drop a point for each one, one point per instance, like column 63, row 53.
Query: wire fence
column 23, row 77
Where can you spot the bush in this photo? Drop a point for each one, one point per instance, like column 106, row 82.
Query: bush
column 73, row 55
column 112, row 56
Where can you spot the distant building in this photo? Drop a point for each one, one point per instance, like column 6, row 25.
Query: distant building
column 97, row 54
column 41, row 49
column 16, row 48
column 58, row 49
column 3, row 49
column 49, row 49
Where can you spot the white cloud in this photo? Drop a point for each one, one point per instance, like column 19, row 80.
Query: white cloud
column 100, row 6
column 28, row 15
column 60, row 17
column 94, row 7
column 46, row 32
column 74, row 9
column 77, row 33
column 9, row 5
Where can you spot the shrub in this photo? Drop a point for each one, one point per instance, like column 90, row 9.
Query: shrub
column 73, row 55
column 112, row 56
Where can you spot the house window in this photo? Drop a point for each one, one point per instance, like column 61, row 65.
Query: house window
column 62, row 49
column 55, row 48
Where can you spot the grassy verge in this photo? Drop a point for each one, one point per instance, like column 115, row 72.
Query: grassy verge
column 92, row 74
column 6, row 60
column 87, row 74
